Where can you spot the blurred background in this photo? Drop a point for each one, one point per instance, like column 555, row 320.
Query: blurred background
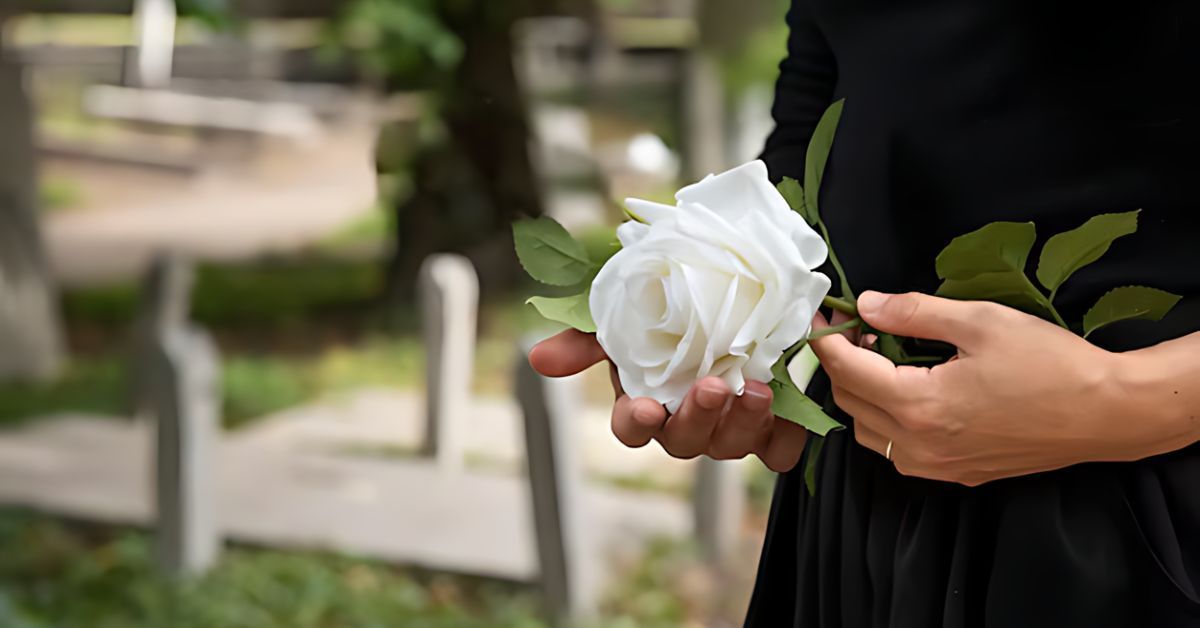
column 262, row 331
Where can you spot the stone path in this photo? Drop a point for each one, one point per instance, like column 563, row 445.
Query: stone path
column 389, row 421
column 321, row 477
column 273, row 207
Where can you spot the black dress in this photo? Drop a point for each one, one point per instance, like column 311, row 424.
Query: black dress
column 959, row 113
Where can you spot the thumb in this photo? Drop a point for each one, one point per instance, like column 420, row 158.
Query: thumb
column 919, row 315
column 567, row 353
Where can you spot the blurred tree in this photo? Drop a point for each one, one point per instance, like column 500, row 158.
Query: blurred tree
column 467, row 165
column 748, row 41
column 214, row 13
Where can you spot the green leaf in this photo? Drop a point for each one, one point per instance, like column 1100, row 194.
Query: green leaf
column 1129, row 302
column 997, row 247
column 818, row 156
column 549, row 254
column 791, row 404
column 810, row 465
column 803, row 367
column 794, row 195
column 1067, row 252
column 601, row 244
column 1011, row 288
column 572, row 311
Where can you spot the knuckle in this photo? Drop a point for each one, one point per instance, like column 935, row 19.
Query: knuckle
column 985, row 314
column 842, row 399
column 920, row 414
column 776, row 467
column 985, row 311
column 931, row 456
column 675, row 451
column 905, row 307
column 831, row 363
column 781, row 463
column 762, row 424
column 913, row 417
column 727, row 453
column 626, row 438
column 972, row 481
column 957, row 477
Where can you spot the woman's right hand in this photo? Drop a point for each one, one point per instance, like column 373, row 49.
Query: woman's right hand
column 711, row 421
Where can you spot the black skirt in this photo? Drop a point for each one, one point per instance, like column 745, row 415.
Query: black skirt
column 1096, row 546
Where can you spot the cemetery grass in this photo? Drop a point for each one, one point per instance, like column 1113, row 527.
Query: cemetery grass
column 59, row 574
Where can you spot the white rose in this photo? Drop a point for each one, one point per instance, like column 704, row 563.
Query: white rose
column 721, row 284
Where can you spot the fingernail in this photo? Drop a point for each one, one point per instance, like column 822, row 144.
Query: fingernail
column 756, row 400
column 871, row 302
column 646, row 415
column 711, row 397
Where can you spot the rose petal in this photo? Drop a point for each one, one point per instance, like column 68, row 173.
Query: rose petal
column 649, row 211
column 734, row 193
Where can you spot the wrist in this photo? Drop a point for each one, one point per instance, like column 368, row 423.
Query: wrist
column 1147, row 401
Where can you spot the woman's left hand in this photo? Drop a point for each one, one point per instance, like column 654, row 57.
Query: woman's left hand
column 1022, row 396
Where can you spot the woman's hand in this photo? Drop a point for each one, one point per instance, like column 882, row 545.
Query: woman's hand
column 712, row 421
column 1022, row 395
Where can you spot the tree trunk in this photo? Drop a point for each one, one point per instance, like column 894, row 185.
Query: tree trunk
column 471, row 188
column 29, row 330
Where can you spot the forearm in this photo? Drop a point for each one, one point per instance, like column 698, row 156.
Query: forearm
column 1160, row 386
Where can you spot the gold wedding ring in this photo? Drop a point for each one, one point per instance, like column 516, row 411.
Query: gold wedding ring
column 888, row 453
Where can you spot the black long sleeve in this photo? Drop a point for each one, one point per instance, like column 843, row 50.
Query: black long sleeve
column 805, row 88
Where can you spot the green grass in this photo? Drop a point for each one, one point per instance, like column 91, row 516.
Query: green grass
column 670, row 586
column 256, row 385
column 56, row 575
column 59, row 194
column 373, row 229
column 96, row 386
column 268, row 293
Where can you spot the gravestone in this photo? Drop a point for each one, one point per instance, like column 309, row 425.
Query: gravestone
column 29, row 325
column 187, row 409
column 176, row 378
column 151, row 60
column 719, row 507
column 449, row 294
column 703, row 116
column 166, row 300
column 565, row 556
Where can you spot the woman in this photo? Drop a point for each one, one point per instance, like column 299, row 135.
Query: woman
column 1039, row 479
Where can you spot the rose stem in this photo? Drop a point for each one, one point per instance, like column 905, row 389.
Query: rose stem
column 836, row 329
column 833, row 259
column 841, row 305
